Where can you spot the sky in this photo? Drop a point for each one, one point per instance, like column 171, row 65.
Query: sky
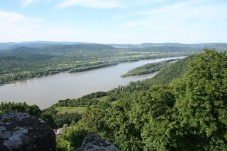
column 114, row 21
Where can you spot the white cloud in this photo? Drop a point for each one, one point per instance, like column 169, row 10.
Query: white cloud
column 17, row 27
column 26, row 3
column 187, row 21
column 10, row 17
column 195, row 21
column 144, row 2
column 186, row 9
column 100, row 4
column 188, row 12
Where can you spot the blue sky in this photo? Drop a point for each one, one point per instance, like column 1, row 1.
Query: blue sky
column 114, row 21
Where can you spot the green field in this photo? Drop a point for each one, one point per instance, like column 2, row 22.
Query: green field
column 63, row 110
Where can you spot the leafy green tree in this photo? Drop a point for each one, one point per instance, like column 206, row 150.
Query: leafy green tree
column 62, row 144
column 201, row 103
column 187, row 114
column 152, row 115
column 20, row 107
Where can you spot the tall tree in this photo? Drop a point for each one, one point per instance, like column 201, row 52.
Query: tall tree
column 201, row 102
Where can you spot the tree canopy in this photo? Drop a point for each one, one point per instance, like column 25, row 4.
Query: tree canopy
column 188, row 113
column 184, row 107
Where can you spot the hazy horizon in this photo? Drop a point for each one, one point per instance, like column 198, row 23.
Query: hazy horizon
column 81, row 42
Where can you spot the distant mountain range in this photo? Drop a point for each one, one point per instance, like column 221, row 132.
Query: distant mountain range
column 173, row 46
column 12, row 45
column 144, row 46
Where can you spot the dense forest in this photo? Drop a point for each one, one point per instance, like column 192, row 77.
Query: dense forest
column 182, row 108
column 148, row 68
column 24, row 62
column 186, row 113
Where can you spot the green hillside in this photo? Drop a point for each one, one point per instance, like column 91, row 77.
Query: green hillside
column 22, row 62
column 149, row 68
column 188, row 113
column 174, row 71
column 107, row 99
column 182, row 108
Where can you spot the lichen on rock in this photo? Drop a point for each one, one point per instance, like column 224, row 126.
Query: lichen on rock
column 15, row 139
column 23, row 132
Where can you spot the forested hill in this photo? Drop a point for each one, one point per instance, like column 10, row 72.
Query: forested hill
column 181, row 108
column 184, row 111
column 24, row 62
column 173, row 46
column 61, row 52
column 33, row 44
column 58, row 47
column 143, row 46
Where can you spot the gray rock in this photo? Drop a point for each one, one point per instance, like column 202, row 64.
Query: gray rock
column 95, row 143
column 23, row 132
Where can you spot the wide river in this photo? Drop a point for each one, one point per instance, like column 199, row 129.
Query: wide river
column 46, row 91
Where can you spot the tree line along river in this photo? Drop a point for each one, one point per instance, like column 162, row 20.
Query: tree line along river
column 46, row 91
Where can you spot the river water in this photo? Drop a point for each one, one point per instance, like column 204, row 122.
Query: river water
column 46, row 91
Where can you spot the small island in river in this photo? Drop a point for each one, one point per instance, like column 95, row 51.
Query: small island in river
column 149, row 68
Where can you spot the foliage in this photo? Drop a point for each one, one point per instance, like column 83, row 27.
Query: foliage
column 201, row 105
column 188, row 113
column 22, row 63
column 63, row 110
column 62, row 144
column 82, row 102
column 182, row 108
column 148, row 68
column 69, row 110
column 56, row 119
column 20, row 107
column 174, row 71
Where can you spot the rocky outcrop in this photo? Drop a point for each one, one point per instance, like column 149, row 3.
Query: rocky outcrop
column 23, row 132
column 95, row 143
